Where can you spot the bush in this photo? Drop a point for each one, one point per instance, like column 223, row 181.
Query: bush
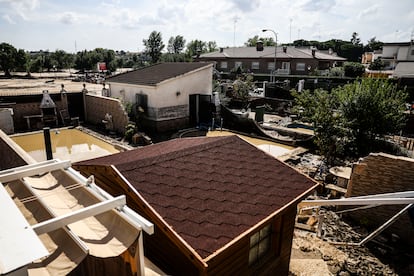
column 353, row 69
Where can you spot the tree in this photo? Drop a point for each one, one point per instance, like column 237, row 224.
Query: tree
column 373, row 45
column 353, row 69
column 377, row 64
column 320, row 108
column 355, row 40
column 62, row 59
column 8, row 56
column 211, row 46
column 154, row 46
column 267, row 41
column 241, row 87
column 351, row 118
column 196, row 47
column 176, row 44
column 87, row 60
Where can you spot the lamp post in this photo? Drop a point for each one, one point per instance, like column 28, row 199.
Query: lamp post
column 273, row 75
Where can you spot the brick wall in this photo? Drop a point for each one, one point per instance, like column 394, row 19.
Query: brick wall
column 382, row 173
column 98, row 106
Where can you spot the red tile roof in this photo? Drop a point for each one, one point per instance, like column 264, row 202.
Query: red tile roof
column 152, row 75
column 209, row 190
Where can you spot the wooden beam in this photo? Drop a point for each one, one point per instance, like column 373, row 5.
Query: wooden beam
column 33, row 169
column 127, row 213
column 93, row 210
column 357, row 201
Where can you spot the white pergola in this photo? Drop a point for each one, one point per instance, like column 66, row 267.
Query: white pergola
column 19, row 241
column 369, row 201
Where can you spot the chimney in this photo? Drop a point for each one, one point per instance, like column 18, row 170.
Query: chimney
column 259, row 45
column 330, row 51
column 221, row 49
column 284, row 49
column 313, row 52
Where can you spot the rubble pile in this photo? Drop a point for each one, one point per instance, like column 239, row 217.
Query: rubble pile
column 360, row 260
column 340, row 260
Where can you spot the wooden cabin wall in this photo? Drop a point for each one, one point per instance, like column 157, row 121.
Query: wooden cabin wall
column 235, row 259
column 159, row 247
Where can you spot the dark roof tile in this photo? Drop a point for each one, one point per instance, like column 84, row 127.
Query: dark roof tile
column 152, row 75
column 209, row 190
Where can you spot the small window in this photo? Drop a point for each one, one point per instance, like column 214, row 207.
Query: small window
column 223, row 65
column 255, row 65
column 238, row 64
column 270, row 65
column 260, row 243
column 300, row 66
column 412, row 52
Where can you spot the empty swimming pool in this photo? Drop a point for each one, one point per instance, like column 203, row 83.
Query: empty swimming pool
column 67, row 144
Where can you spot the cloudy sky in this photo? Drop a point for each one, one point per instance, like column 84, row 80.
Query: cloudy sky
column 122, row 24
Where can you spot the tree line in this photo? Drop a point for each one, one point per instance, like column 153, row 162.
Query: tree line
column 12, row 59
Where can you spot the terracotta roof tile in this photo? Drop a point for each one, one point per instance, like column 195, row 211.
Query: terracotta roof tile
column 209, row 190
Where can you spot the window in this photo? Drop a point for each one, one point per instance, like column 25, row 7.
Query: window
column 412, row 52
column 286, row 65
column 255, row 65
column 260, row 243
column 300, row 66
column 238, row 64
column 270, row 65
column 223, row 65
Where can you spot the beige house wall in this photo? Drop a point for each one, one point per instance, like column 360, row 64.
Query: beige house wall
column 98, row 106
column 383, row 173
column 168, row 102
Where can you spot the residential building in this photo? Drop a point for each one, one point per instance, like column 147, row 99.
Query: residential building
column 169, row 95
column 220, row 205
column 399, row 57
column 289, row 60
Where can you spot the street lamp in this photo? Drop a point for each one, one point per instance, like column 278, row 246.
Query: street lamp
column 273, row 75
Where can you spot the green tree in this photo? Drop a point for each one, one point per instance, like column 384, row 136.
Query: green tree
column 8, row 56
column 241, row 87
column 176, row 44
column 320, row 108
column 62, row 59
column 353, row 69
column 355, row 40
column 154, row 46
column 196, row 47
column 211, row 46
column 267, row 41
column 373, row 45
column 350, row 119
column 377, row 64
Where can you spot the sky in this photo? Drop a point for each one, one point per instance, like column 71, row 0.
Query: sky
column 75, row 25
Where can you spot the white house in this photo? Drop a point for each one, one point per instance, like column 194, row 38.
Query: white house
column 171, row 95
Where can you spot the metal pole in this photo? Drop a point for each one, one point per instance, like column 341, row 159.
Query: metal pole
column 48, row 143
column 273, row 75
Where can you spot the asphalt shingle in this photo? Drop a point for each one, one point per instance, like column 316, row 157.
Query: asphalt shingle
column 209, row 190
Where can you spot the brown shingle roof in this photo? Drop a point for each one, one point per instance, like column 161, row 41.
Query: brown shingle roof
column 152, row 75
column 209, row 190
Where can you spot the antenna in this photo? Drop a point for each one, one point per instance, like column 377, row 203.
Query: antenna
column 290, row 31
column 76, row 50
column 235, row 18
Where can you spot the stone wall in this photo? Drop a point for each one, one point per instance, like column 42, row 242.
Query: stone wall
column 382, row 173
column 98, row 106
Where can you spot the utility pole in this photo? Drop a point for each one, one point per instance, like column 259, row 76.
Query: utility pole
column 273, row 74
